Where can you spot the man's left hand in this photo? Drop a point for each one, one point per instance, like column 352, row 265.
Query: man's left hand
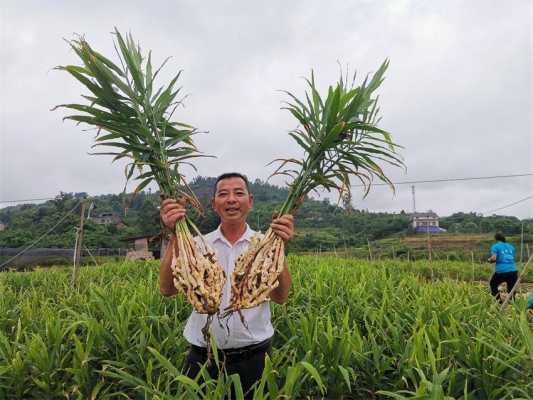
column 283, row 227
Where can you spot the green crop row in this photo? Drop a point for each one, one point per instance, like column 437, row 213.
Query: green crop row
column 351, row 330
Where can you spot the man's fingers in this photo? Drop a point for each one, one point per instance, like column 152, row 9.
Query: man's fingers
column 283, row 230
column 280, row 227
column 172, row 207
column 286, row 219
column 171, row 214
column 282, row 233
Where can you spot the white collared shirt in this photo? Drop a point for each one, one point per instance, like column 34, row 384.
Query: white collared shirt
column 257, row 318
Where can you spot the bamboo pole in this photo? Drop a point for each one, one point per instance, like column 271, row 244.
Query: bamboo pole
column 79, row 246
column 472, row 254
column 345, row 248
column 522, row 244
column 429, row 242
column 369, row 250
column 511, row 293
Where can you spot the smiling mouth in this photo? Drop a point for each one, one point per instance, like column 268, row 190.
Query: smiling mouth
column 232, row 210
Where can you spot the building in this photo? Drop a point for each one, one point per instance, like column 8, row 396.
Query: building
column 3, row 227
column 426, row 222
column 139, row 247
column 108, row 218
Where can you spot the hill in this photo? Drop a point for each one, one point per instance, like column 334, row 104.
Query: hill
column 320, row 224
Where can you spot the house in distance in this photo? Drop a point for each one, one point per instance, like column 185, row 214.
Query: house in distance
column 426, row 222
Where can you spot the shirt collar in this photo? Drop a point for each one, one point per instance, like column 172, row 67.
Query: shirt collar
column 246, row 236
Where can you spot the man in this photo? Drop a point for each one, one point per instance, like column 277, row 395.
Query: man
column 502, row 253
column 243, row 348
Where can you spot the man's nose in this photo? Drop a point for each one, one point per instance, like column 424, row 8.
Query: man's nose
column 231, row 197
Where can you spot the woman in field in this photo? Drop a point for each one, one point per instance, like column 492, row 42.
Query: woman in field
column 502, row 253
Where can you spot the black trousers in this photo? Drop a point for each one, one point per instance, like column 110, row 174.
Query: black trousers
column 499, row 277
column 249, row 365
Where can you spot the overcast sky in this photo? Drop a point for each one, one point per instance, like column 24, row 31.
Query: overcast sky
column 458, row 94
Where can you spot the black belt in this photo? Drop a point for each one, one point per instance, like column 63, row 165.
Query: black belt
column 236, row 353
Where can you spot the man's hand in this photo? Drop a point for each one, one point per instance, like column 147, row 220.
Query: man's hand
column 283, row 227
column 171, row 211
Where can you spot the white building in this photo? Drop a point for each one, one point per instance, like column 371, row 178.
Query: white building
column 426, row 222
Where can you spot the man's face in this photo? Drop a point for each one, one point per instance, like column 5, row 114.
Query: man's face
column 232, row 202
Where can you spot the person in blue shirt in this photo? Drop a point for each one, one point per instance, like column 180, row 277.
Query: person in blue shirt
column 502, row 253
column 530, row 302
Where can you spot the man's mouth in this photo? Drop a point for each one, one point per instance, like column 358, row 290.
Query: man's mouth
column 232, row 210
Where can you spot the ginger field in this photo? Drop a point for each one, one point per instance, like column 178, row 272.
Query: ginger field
column 351, row 330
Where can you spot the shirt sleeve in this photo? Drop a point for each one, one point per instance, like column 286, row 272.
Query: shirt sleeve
column 494, row 250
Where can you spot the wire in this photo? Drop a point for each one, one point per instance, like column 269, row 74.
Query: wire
column 374, row 184
column 509, row 205
column 449, row 180
column 42, row 236
column 23, row 200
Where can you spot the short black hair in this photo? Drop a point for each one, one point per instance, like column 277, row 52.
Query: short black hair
column 228, row 175
column 499, row 237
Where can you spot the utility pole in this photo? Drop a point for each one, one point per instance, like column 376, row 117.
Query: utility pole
column 429, row 241
column 79, row 246
column 414, row 203
column 522, row 243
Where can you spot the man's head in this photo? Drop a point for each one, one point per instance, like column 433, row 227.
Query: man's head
column 499, row 237
column 232, row 200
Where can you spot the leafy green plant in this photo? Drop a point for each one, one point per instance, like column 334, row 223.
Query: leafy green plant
column 135, row 119
column 340, row 140
column 131, row 116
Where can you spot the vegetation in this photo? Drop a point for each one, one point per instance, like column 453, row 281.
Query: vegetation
column 320, row 224
column 340, row 139
column 351, row 329
column 131, row 116
column 450, row 247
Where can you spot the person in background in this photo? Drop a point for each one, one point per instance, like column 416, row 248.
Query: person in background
column 502, row 253
column 530, row 302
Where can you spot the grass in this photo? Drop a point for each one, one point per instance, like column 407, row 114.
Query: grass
column 352, row 329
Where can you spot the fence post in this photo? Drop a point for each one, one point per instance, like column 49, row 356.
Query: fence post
column 79, row 244
column 345, row 248
column 511, row 292
column 472, row 254
column 429, row 242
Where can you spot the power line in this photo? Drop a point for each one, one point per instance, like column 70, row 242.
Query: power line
column 23, row 200
column 509, row 205
column 42, row 236
column 450, row 179
column 374, row 184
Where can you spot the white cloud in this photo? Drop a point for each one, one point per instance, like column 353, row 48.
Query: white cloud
column 458, row 94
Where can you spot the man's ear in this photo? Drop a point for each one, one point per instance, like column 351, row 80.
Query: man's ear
column 251, row 200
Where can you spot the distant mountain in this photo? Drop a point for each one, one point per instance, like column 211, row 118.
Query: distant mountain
column 319, row 223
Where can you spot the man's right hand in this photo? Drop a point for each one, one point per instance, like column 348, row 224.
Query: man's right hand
column 171, row 211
